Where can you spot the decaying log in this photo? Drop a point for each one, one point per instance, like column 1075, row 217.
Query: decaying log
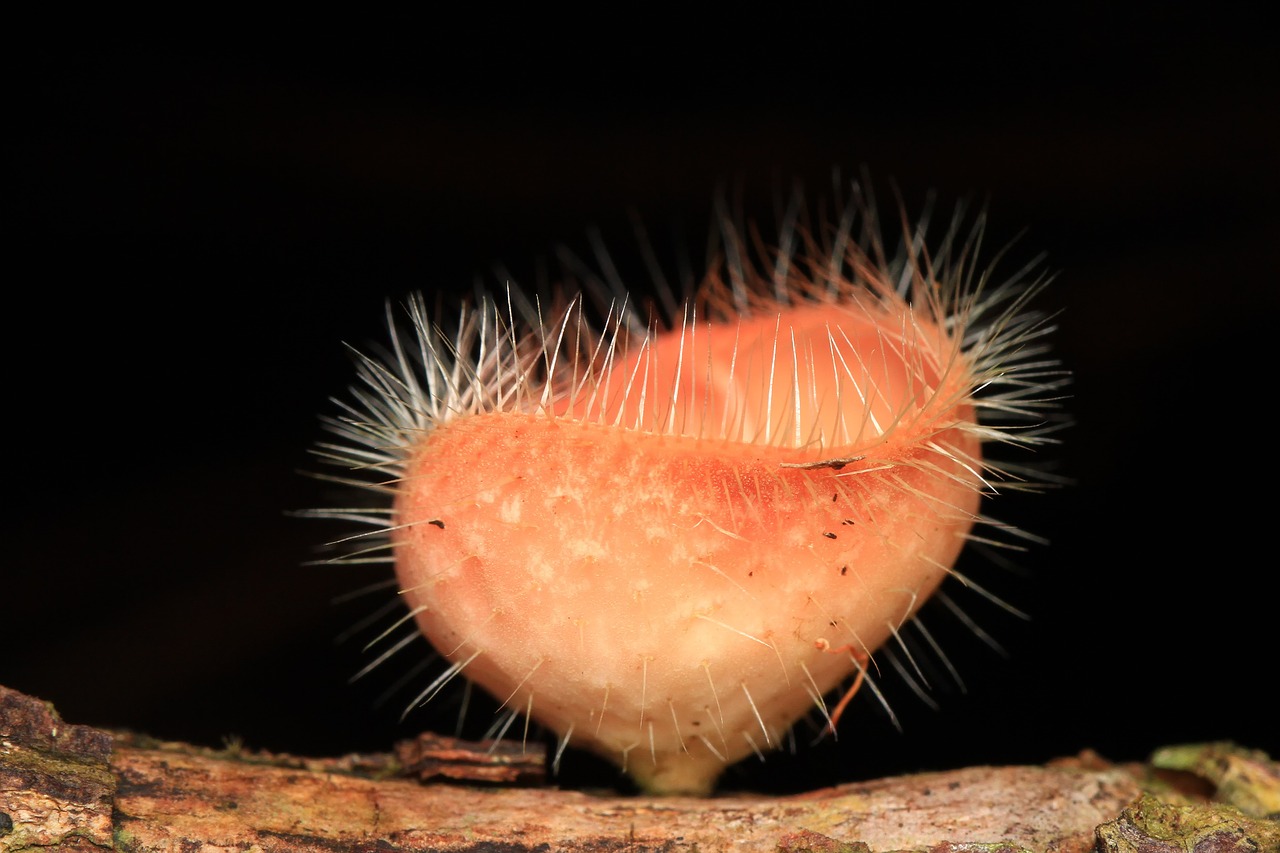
column 76, row 788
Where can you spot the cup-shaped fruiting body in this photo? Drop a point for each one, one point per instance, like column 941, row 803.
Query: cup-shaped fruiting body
column 669, row 542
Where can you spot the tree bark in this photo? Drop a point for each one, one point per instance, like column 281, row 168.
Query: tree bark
column 76, row 788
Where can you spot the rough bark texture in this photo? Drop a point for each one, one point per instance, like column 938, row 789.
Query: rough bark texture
column 76, row 788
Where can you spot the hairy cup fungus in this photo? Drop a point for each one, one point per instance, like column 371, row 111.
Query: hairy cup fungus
column 668, row 541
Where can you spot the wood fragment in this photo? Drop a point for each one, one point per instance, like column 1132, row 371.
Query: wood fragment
column 431, row 758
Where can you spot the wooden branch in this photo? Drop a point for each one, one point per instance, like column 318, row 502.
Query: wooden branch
column 77, row 788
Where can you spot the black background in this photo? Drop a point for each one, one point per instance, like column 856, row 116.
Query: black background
column 200, row 230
